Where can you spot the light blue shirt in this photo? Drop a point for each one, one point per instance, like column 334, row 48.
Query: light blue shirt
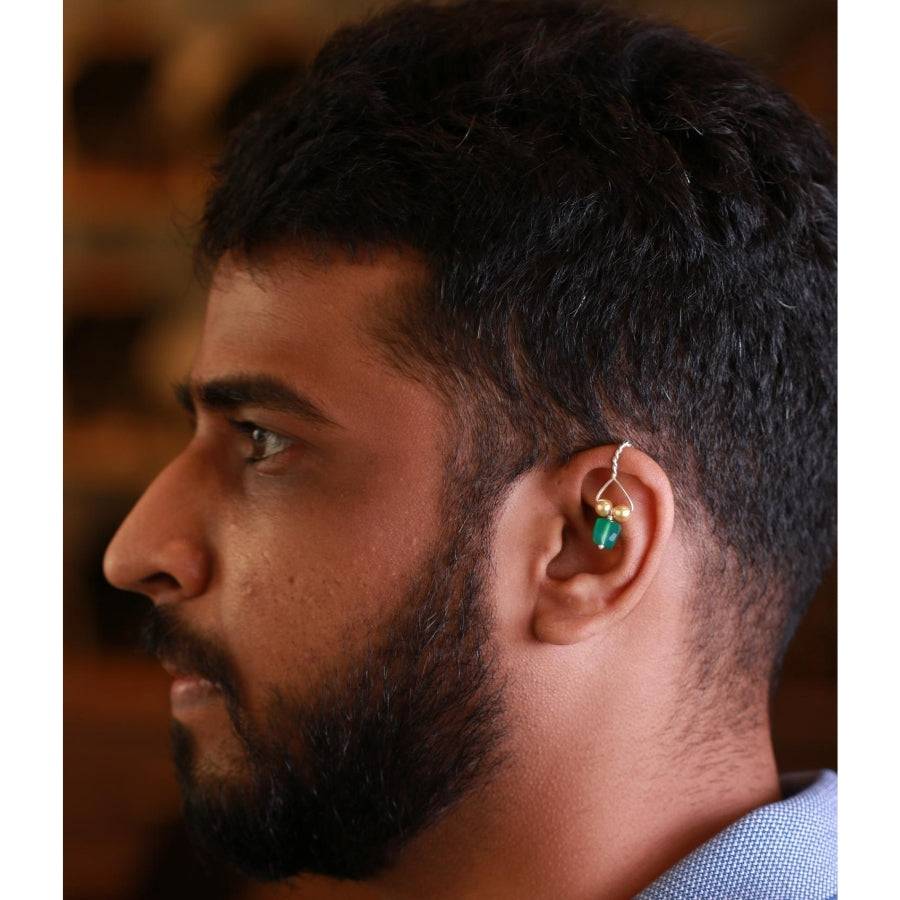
column 783, row 851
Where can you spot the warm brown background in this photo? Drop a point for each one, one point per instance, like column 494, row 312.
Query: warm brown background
column 151, row 89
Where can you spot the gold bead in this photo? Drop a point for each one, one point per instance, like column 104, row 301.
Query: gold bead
column 603, row 507
column 621, row 513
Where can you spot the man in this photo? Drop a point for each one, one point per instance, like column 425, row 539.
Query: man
column 474, row 253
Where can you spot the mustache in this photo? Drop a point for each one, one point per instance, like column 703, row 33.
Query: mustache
column 164, row 636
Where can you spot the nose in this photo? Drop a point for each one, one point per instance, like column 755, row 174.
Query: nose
column 161, row 549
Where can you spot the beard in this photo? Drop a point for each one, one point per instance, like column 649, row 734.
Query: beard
column 339, row 783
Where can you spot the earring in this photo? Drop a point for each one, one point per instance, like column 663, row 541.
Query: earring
column 609, row 517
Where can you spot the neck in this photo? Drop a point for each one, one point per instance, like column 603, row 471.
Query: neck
column 575, row 833
column 597, row 798
column 578, row 832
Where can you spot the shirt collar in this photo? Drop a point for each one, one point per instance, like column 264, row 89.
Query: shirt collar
column 786, row 849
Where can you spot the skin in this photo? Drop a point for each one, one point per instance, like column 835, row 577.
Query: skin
column 289, row 562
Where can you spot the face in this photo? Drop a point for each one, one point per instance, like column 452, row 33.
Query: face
column 314, row 565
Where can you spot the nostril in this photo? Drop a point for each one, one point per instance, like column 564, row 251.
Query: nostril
column 158, row 583
column 137, row 560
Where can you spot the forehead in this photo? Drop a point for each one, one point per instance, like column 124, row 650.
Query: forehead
column 288, row 302
column 309, row 323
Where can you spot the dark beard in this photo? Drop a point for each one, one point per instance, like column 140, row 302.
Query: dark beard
column 339, row 784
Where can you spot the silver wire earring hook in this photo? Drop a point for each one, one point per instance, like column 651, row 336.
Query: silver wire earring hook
column 615, row 472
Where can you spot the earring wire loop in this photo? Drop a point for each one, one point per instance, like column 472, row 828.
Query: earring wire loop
column 615, row 472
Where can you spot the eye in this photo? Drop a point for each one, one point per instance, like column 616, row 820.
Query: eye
column 265, row 443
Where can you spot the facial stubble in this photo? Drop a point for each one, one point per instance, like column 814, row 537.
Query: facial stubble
column 338, row 784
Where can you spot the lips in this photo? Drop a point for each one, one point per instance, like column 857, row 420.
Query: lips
column 190, row 693
column 189, row 690
column 198, row 667
column 182, row 672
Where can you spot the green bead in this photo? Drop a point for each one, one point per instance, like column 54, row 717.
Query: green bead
column 605, row 533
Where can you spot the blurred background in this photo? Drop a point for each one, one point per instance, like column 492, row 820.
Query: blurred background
column 151, row 91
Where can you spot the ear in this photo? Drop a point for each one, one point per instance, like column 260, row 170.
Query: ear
column 582, row 589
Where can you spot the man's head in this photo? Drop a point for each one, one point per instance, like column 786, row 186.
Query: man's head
column 488, row 242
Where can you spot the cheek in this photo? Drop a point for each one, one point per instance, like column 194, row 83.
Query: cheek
column 293, row 608
column 310, row 569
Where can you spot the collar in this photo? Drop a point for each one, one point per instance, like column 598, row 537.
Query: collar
column 786, row 849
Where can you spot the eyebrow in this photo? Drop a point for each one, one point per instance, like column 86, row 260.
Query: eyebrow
column 230, row 393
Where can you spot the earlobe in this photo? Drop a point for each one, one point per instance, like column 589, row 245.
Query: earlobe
column 589, row 584
column 572, row 613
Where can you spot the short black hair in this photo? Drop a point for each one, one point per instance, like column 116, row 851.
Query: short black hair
column 629, row 233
